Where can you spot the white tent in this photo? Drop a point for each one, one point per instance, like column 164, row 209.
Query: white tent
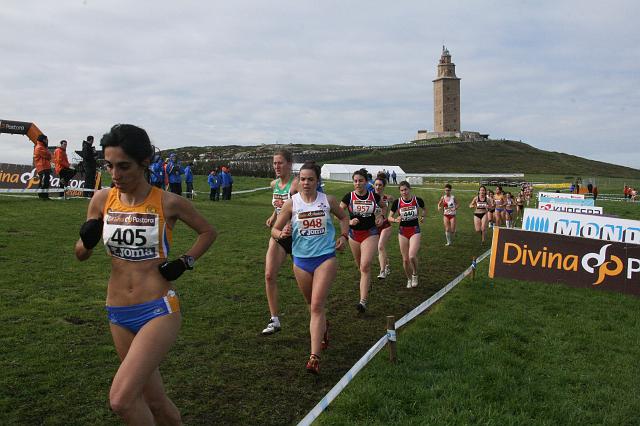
column 344, row 172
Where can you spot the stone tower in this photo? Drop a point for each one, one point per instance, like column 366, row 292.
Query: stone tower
column 446, row 96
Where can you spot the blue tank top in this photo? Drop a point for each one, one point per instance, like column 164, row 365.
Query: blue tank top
column 313, row 231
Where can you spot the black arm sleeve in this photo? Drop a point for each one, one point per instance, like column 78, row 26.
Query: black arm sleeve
column 394, row 206
column 420, row 202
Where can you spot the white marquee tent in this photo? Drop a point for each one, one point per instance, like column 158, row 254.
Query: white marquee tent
column 344, row 172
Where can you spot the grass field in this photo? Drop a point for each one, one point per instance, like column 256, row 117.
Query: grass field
column 58, row 360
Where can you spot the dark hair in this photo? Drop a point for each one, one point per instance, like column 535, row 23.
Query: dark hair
column 361, row 172
column 63, row 141
column 286, row 154
column 383, row 180
column 42, row 138
column 90, row 138
column 485, row 189
column 404, row 183
column 311, row 165
column 133, row 140
column 447, row 186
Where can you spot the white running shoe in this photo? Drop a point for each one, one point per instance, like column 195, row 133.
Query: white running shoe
column 387, row 270
column 272, row 328
column 409, row 283
column 414, row 281
column 382, row 275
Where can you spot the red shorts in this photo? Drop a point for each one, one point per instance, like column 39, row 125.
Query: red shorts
column 360, row 236
column 450, row 216
column 384, row 226
column 408, row 231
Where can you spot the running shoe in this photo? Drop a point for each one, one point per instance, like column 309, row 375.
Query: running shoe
column 272, row 328
column 382, row 275
column 313, row 365
column 361, row 307
column 447, row 245
column 387, row 270
column 414, row 281
column 409, row 283
column 325, row 338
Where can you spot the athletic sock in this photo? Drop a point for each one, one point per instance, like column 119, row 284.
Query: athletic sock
column 448, row 235
column 508, row 224
column 276, row 321
column 363, row 302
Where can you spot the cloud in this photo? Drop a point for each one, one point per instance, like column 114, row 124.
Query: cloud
column 251, row 72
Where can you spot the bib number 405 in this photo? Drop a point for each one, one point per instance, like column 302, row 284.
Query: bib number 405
column 129, row 237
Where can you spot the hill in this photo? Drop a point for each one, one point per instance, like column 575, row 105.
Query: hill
column 440, row 156
column 490, row 157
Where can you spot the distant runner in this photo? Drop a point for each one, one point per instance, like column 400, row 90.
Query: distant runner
column 448, row 205
column 410, row 211
column 284, row 187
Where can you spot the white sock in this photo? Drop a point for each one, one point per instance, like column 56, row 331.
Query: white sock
column 508, row 224
column 275, row 320
column 448, row 235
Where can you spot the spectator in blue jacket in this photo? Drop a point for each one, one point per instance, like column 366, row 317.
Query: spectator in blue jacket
column 227, row 181
column 188, row 179
column 175, row 172
column 156, row 175
column 214, row 184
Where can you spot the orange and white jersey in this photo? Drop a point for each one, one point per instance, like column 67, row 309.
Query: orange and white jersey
column 136, row 233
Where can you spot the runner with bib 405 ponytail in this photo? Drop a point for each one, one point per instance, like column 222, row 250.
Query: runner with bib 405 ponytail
column 284, row 187
column 136, row 220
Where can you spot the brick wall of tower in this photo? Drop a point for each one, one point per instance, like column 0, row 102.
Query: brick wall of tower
column 446, row 105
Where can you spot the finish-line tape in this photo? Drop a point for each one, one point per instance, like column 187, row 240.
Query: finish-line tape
column 344, row 381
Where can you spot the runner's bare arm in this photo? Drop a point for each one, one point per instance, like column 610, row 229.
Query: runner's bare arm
column 279, row 229
column 344, row 222
column 178, row 208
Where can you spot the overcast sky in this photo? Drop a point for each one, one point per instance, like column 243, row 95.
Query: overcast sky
column 559, row 75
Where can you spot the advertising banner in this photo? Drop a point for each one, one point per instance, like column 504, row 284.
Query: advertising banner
column 569, row 208
column 582, row 225
column 575, row 261
column 588, row 202
column 21, row 176
column 561, row 195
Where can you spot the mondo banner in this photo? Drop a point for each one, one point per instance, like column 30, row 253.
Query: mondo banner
column 582, row 225
column 575, row 261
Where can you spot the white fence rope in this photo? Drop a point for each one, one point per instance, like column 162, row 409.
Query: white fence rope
column 368, row 356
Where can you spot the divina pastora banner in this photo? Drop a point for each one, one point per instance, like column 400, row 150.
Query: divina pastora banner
column 582, row 225
column 21, row 176
column 575, row 261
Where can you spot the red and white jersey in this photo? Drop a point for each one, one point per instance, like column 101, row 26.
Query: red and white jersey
column 449, row 205
column 364, row 208
column 408, row 210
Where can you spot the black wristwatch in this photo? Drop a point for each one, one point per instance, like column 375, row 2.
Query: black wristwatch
column 188, row 261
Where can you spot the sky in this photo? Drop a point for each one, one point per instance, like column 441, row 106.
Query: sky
column 559, row 75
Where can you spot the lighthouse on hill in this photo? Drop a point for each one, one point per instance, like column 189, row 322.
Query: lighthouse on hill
column 446, row 96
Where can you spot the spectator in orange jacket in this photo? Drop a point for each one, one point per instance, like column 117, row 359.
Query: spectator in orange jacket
column 62, row 164
column 42, row 161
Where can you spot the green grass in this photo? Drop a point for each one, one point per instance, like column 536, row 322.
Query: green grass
column 506, row 352
column 491, row 157
column 58, row 360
